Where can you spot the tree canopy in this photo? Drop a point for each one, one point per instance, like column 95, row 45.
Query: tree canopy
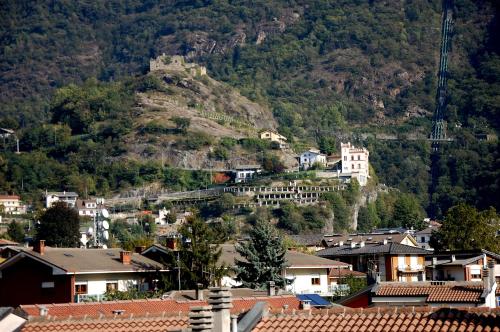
column 263, row 257
column 464, row 228
column 59, row 226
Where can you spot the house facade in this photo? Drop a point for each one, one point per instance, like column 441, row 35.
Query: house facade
column 385, row 261
column 355, row 162
column 305, row 274
column 308, row 158
column 89, row 207
column 12, row 204
column 273, row 136
column 244, row 173
column 463, row 265
column 61, row 275
column 67, row 197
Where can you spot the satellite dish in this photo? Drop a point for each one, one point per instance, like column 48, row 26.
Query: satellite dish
column 90, row 231
column 105, row 213
column 105, row 234
column 105, row 224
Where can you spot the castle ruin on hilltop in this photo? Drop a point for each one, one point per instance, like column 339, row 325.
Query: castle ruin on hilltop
column 176, row 63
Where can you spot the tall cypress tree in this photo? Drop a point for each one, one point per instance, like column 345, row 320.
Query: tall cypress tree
column 264, row 257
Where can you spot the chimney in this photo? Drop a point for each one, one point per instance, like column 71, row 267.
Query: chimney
column 353, row 244
column 362, row 244
column 385, row 241
column 220, row 300
column 199, row 292
column 453, row 258
column 140, row 249
column 305, row 304
column 125, row 257
column 43, row 311
column 434, row 261
column 234, row 323
column 201, row 319
column 491, row 267
column 271, row 289
column 39, row 247
column 341, row 243
column 486, row 280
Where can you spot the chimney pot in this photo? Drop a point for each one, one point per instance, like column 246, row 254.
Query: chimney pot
column 199, row 292
column 125, row 257
column 39, row 247
column 385, row 241
column 486, row 279
column 271, row 289
column 341, row 243
column 220, row 300
column 201, row 318
column 362, row 244
column 453, row 258
column 305, row 304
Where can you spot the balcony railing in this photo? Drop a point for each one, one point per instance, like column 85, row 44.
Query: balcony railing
column 89, row 298
column 411, row 268
column 339, row 290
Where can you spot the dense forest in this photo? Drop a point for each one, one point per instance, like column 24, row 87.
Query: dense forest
column 328, row 71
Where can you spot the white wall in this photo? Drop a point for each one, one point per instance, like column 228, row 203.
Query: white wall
column 303, row 280
column 96, row 283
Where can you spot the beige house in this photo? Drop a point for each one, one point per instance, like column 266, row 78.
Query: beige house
column 273, row 136
column 12, row 204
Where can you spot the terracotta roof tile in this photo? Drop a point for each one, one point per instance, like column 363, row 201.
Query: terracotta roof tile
column 449, row 292
column 153, row 306
column 125, row 324
column 392, row 319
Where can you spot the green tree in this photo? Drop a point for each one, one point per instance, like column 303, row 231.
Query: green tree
column 199, row 254
column 16, row 231
column 263, row 257
column 59, row 226
column 464, row 228
column 341, row 213
column 368, row 218
column 408, row 212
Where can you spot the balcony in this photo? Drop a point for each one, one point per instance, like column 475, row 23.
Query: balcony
column 89, row 298
column 339, row 290
column 410, row 268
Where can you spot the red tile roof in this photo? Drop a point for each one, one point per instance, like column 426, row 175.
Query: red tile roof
column 125, row 324
column 385, row 319
column 152, row 306
column 5, row 242
column 342, row 273
column 450, row 292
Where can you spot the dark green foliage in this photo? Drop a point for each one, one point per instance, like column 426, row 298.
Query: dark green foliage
column 199, row 255
column 465, row 228
column 271, row 163
column 263, row 257
column 355, row 284
column 352, row 192
column 59, row 226
column 297, row 219
column 408, row 213
column 368, row 218
column 179, row 179
column 195, row 141
column 15, row 231
column 223, row 204
column 341, row 212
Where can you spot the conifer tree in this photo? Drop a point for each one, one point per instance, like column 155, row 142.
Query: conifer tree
column 263, row 257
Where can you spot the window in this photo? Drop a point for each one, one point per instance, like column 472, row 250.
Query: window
column 48, row 284
column 352, row 157
column 315, row 281
column 111, row 286
column 475, row 276
column 359, row 157
column 345, row 158
column 81, row 289
column 359, row 166
column 352, row 166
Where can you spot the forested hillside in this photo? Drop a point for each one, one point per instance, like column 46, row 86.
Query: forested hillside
column 327, row 70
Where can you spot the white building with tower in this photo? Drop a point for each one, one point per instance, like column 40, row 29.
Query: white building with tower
column 355, row 162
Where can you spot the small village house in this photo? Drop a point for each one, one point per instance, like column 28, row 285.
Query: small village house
column 245, row 173
column 68, row 197
column 12, row 204
column 273, row 136
column 311, row 157
column 60, row 275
